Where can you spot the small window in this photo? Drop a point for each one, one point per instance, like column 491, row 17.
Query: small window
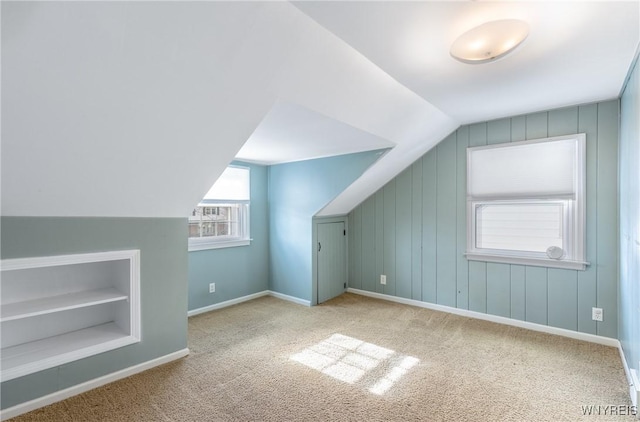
column 526, row 202
column 221, row 219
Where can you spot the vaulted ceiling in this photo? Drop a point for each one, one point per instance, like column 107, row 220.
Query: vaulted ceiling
column 135, row 109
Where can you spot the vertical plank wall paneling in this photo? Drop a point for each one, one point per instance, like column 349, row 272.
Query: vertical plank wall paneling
column 446, row 227
column 587, row 292
column 389, row 238
column 629, row 155
column 429, row 223
column 369, row 245
column 416, row 231
column 607, row 205
column 357, row 248
column 477, row 269
column 462, row 265
column 419, row 221
column 404, row 270
column 379, row 198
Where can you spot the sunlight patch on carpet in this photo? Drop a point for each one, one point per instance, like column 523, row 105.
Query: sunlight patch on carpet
column 350, row 360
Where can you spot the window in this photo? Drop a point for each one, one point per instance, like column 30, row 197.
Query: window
column 221, row 219
column 525, row 202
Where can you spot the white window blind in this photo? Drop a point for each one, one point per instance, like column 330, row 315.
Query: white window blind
column 539, row 169
column 232, row 185
column 525, row 202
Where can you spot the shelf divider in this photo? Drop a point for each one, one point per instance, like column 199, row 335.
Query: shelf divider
column 59, row 303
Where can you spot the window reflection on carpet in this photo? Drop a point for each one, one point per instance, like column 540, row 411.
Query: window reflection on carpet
column 354, row 361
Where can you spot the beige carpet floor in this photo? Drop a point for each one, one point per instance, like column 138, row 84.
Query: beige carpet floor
column 359, row 359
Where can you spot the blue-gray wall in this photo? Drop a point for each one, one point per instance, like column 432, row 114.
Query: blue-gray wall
column 163, row 273
column 297, row 191
column 629, row 328
column 414, row 230
column 237, row 271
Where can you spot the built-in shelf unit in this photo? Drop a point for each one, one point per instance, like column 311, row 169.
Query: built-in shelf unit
column 54, row 310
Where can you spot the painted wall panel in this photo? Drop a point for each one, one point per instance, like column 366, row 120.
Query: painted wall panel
column 477, row 269
column 356, row 256
column 499, row 131
column 416, row 230
column 535, row 285
column 389, row 238
column 403, row 234
column 561, row 298
column 563, row 121
column 350, row 250
column 629, row 294
column 429, row 224
column 163, row 288
column 462, row 264
column 498, row 289
column 518, row 128
column 607, row 203
column 446, row 228
column 518, row 292
column 296, row 192
column 477, row 286
column 536, row 125
column 379, row 238
column 237, row 271
column 587, row 280
column 368, row 244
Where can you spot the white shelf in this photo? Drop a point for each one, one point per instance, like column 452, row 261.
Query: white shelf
column 30, row 357
column 59, row 309
column 30, row 308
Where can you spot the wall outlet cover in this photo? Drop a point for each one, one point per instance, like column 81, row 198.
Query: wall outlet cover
column 597, row 314
column 383, row 279
column 212, row 287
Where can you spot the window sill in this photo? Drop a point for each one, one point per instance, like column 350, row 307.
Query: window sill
column 536, row 262
column 219, row 244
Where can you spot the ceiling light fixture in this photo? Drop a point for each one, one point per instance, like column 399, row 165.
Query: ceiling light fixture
column 489, row 41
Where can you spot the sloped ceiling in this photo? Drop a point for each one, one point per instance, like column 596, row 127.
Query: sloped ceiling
column 290, row 132
column 135, row 109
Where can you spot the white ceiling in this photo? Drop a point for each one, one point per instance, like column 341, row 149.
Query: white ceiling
column 576, row 52
column 108, row 107
column 290, row 132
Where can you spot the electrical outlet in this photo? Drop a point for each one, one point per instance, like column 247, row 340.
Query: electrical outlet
column 597, row 314
column 212, row 287
column 383, row 279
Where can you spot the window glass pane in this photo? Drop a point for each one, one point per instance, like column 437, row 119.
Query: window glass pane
column 531, row 227
column 216, row 220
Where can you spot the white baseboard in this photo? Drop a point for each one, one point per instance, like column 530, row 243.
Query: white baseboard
column 227, row 303
column 632, row 379
column 246, row 298
column 634, row 389
column 290, row 298
column 493, row 318
column 34, row 404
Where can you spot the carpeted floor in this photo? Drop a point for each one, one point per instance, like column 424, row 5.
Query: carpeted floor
column 359, row 359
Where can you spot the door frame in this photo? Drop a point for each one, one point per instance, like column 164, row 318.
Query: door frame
column 314, row 247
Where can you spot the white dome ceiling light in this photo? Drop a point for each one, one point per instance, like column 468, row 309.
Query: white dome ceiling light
column 489, row 41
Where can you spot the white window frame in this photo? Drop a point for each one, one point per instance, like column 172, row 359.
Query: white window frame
column 244, row 217
column 573, row 217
